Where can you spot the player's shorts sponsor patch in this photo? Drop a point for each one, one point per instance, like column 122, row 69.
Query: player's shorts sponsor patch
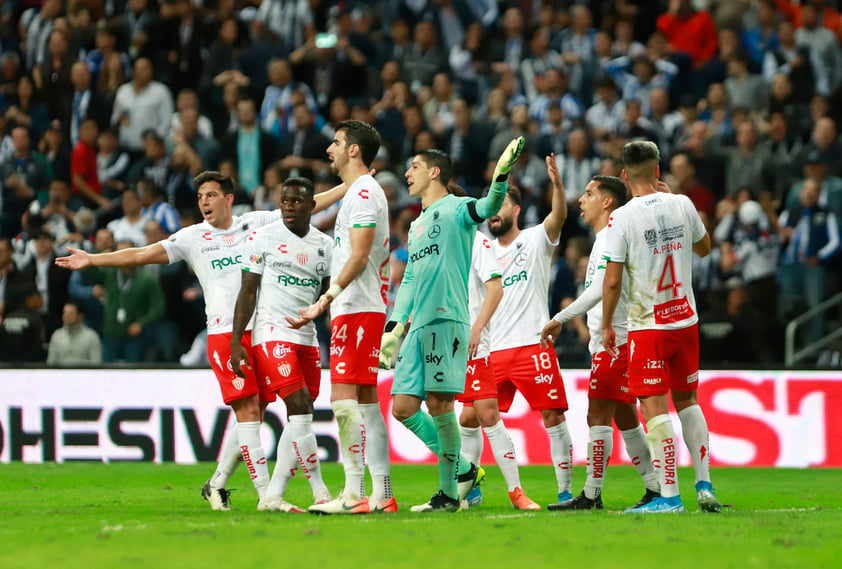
column 693, row 377
column 673, row 311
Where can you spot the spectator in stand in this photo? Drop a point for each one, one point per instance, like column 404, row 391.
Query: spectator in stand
column 684, row 172
column 540, row 59
column 576, row 46
column 745, row 89
column 83, row 168
column 22, row 331
column 140, row 105
column 824, row 139
column 304, row 151
column 17, row 280
column 154, row 163
column 287, row 22
column 425, row 57
column 24, row 176
column 55, row 214
column 577, row 165
column 178, row 35
column 130, row 227
column 154, row 207
column 112, row 163
column 35, row 28
column 50, row 280
column 817, row 167
column 690, row 31
column 250, row 148
column 96, row 59
column 668, row 124
column 822, row 41
column 84, row 291
column 470, row 64
column 811, row 242
column 644, row 76
column 276, row 108
column 134, row 27
column 74, row 344
column 554, row 87
column 190, row 133
column 27, row 110
column 761, row 37
column 188, row 99
column 133, row 300
column 605, row 116
column 785, row 150
column 52, row 75
column 746, row 165
column 87, row 102
column 799, row 62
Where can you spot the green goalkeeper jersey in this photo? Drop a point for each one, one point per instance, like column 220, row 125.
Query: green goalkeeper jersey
column 435, row 283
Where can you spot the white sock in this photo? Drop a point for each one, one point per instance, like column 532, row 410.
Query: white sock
column 504, row 453
column 697, row 438
column 350, row 422
column 602, row 444
column 638, row 451
column 376, row 450
column 305, row 449
column 472, row 443
column 662, row 436
column 230, row 459
column 286, row 464
column 561, row 449
column 253, row 455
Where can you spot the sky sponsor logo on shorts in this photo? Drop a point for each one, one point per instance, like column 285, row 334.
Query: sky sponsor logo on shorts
column 543, row 378
column 433, row 359
column 337, row 350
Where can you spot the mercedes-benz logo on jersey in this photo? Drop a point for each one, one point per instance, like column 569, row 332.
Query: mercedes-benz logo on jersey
column 321, row 268
column 520, row 260
column 651, row 237
column 434, row 231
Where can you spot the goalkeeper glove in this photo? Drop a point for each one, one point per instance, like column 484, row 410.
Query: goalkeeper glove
column 507, row 159
column 389, row 343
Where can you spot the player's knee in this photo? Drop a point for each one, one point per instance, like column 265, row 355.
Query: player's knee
column 299, row 403
column 552, row 417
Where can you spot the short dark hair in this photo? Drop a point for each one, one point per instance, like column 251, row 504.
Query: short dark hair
column 364, row 135
column 226, row 184
column 298, row 182
column 75, row 305
column 640, row 158
column 434, row 158
column 515, row 195
column 614, row 187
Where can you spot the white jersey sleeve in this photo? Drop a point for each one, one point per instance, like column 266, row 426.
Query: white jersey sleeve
column 215, row 255
column 483, row 268
column 292, row 270
column 590, row 301
column 654, row 235
column 364, row 206
column 525, row 268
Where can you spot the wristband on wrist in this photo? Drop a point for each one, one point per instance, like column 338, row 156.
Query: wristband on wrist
column 334, row 291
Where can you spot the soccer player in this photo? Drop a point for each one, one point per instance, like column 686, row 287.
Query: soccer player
column 214, row 249
column 433, row 358
column 485, row 290
column 608, row 394
column 654, row 237
column 288, row 262
column 517, row 357
column 360, row 268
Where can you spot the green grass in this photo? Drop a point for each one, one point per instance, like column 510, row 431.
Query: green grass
column 144, row 515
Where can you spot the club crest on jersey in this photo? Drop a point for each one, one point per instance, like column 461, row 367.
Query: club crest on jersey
column 434, row 231
column 420, row 230
column 238, row 383
column 285, row 369
column 228, row 239
column 650, row 236
column 302, row 258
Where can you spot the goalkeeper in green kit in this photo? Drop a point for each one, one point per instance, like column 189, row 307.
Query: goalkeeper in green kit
column 433, row 359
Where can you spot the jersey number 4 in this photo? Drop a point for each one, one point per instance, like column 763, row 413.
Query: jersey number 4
column 667, row 280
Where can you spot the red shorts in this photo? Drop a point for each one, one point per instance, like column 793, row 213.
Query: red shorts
column 283, row 368
column 233, row 387
column 479, row 382
column 534, row 372
column 660, row 360
column 355, row 347
column 610, row 376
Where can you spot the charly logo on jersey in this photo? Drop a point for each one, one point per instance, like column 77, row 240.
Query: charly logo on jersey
column 228, row 239
column 285, row 369
column 434, row 231
column 650, row 236
column 226, row 262
column 302, row 258
column 321, row 268
column 207, row 236
column 283, row 248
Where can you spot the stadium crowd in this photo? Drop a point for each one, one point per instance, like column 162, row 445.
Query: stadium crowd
column 109, row 108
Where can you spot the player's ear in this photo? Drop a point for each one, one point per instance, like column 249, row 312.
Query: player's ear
column 435, row 171
column 625, row 176
column 657, row 171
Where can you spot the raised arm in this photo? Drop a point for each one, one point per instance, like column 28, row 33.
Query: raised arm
column 558, row 214
column 154, row 254
column 489, row 205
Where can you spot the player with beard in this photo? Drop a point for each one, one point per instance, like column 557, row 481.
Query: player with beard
column 608, row 393
column 653, row 238
column 288, row 263
column 214, row 250
column 519, row 361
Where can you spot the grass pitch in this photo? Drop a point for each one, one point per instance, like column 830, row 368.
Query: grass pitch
column 145, row 515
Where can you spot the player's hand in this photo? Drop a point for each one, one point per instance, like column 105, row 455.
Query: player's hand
column 508, row 158
column 473, row 342
column 609, row 340
column 661, row 186
column 389, row 344
column 552, row 170
column 239, row 359
column 550, row 333
column 78, row 259
column 310, row 313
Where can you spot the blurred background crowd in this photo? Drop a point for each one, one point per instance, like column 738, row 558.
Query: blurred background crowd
column 108, row 108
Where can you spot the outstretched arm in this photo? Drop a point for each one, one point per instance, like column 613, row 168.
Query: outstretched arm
column 326, row 199
column 154, row 254
column 558, row 214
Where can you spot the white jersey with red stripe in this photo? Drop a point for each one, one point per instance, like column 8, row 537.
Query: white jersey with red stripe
column 364, row 205
column 483, row 269
column 292, row 270
column 525, row 268
column 215, row 256
column 654, row 235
